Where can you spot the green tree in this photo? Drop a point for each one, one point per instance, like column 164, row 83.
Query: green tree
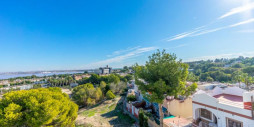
column 248, row 80
column 94, row 79
column 238, row 77
column 128, row 77
column 141, row 118
column 86, row 94
column 36, row 108
column 249, row 70
column 209, row 79
column 204, row 76
column 118, row 87
column 238, row 65
column 69, row 80
column 90, row 101
column 103, row 86
column 33, row 76
column 192, row 77
column 131, row 98
column 110, row 95
column 163, row 75
column 36, row 86
column 97, row 94
column 125, row 69
column 190, row 89
column 112, row 78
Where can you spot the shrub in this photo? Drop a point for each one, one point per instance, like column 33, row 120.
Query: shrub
column 143, row 119
column 37, row 107
column 110, row 95
column 131, row 98
column 118, row 88
column 86, row 94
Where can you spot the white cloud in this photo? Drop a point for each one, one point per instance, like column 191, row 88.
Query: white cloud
column 121, row 58
column 237, row 10
column 118, row 52
column 178, row 46
column 208, row 31
column 229, row 55
column 221, row 28
column 185, row 34
column 201, row 32
column 243, row 22
column 246, row 31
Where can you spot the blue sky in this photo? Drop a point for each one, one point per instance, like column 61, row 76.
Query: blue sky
column 53, row 35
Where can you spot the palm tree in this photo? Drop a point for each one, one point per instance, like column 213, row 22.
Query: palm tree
column 238, row 77
column 248, row 80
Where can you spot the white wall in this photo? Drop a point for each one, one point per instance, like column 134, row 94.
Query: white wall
column 205, row 99
column 230, row 90
column 217, row 91
column 247, row 96
column 221, row 116
column 211, row 101
column 234, row 91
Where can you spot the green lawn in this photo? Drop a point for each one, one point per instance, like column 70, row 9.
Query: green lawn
column 89, row 113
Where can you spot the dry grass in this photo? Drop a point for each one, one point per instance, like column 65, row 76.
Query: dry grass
column 107, row 114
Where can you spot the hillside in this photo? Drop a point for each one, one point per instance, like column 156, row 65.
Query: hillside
column 221, row 70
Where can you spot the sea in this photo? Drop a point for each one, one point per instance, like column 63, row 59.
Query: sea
column 40, row 74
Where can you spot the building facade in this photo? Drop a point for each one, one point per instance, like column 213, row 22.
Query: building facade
column 105, row 70
column 223, row 107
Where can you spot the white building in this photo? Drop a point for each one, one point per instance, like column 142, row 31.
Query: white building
column 223, row 107
column 105, row 70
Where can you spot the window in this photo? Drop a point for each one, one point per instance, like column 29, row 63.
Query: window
column 233, row 123
column 206, row 114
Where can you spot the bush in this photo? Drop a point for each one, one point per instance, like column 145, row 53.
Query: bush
column 36, row 86
column 110, row 95
column 37, row 107
column 131, row 98
column 118, row 88
column 143, row 119
column 86, row 94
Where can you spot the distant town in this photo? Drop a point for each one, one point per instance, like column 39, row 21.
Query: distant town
column 29, row 80
column 217, row 93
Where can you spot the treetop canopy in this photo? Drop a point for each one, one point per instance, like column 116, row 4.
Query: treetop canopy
column 37, row 107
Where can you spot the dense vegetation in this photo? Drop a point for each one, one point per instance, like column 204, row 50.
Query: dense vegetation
column 131, row 98
column 163, row 75
column 87, row 95
column 112, row 78
column 98, row 87
column 143, row 119
column 37, row 107
column 110, row 95
column 61, row 81
column 223, row 70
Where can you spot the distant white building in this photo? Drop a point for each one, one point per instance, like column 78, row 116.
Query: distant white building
column 223, row 107
column 105, row 70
